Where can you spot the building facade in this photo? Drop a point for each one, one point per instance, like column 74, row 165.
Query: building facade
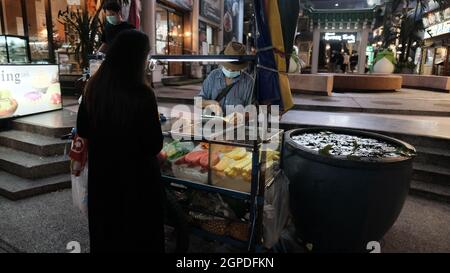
column 33, row 30
column 434, row 57
column 331, row 35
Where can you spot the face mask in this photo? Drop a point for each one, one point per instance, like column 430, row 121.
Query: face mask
column 113, row 20
column 231, row 74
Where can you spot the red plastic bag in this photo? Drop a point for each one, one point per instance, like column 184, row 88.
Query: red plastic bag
column 78, row 155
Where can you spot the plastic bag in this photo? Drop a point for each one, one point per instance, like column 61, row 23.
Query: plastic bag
column 80, row 191
column 276, row 210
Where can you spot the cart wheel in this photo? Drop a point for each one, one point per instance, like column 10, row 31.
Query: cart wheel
column 176, row 220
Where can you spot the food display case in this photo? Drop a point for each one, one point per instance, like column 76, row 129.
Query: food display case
column 222, row 181
column 14, row 49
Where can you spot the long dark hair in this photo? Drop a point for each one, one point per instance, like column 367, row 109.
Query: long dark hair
column 117, row 86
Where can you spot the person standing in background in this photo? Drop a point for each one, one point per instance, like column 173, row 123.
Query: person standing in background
column 346, row 62
column 114, row 24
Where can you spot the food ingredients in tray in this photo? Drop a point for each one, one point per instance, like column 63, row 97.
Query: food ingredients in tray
column 8, row 105
column 199, row 159
column 177, row 149
column 238, row 163
column 193, row 158
column 237, row 153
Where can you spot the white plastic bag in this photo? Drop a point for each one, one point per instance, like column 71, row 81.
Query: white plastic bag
column 276, row 210
column 80, row 191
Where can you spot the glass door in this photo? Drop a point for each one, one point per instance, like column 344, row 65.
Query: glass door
column 175, row 42
column 169, row 38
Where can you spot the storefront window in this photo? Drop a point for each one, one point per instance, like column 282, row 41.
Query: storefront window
column 208, row 42
column 169, row 38
column 37, row 30
column 12, row 17
column 65, row 37
column 339, row 52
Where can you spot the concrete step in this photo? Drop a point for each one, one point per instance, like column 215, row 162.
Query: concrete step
column 416, row 130
column 16, row 188
column 34, row 143
column 53, row 124
column 428, row 144
column 433, row 156
column 431, row 191
column 431, row 174
column 32, row 166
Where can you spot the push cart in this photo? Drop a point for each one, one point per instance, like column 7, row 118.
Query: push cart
column 237, row 175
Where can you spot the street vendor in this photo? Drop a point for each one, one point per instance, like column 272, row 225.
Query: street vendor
column 114, row 24
column 229, row 84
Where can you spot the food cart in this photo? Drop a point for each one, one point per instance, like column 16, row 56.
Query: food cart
column 231, row 190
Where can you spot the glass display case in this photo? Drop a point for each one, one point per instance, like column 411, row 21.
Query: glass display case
column 220, row 174
column 14, row 49
column 221, row 158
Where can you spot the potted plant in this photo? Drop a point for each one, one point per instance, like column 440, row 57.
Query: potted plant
column 385, row 62
column 405, row 67
column 88, row 29
column 294, row 63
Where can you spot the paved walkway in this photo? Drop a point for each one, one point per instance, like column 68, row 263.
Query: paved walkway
column 404, row 101
column 430, row 126
column 437, row 127
column 46, row 223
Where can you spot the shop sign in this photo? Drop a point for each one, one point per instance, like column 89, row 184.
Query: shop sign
column 185, row 4
column 331, row 36
column 210, row 9
column 437, row 17
column 29, row 89
column 233, row 21
column 437, row 30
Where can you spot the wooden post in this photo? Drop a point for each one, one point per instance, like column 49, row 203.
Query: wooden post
column 26, row 32
column 2, row 21
column 49, row 23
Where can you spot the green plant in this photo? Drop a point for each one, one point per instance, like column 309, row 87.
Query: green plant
column 88, row 29
column 399, row 68
column 295, row 57
column 388, row 54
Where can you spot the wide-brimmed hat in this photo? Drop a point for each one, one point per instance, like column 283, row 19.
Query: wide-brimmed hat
column 235, row 49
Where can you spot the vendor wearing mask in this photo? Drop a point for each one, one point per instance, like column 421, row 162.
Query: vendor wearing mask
column 114, row 24
column 228, row 85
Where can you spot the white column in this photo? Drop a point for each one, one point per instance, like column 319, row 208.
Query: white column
column 149, row 22
column 362, row 50
column 315, row 53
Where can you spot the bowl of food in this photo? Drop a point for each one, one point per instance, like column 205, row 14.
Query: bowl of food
column 8, row 105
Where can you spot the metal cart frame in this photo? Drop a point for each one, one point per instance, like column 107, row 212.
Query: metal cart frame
column 258, row 179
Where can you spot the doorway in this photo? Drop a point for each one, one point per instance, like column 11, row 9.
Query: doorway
column 169, row 37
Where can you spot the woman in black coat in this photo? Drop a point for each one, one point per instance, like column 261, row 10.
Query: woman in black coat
column 119, row 118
